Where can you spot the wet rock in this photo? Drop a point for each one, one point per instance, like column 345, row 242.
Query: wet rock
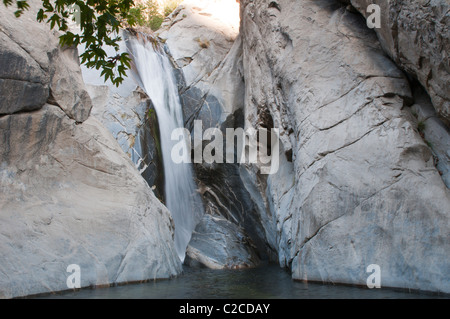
column 218, row 243
column 207, row 54
column 128, row 113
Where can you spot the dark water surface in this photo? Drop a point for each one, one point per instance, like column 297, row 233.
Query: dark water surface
column 268, row 282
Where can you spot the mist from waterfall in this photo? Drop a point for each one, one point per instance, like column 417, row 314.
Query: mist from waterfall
column 154, row 73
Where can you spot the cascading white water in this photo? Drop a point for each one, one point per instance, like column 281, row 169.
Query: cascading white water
column 154, row 72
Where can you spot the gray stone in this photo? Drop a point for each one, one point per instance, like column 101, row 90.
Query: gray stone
column 433, row 131
column 17, row 64
column 19, row 96
column 357, row 183
column 225, row 196
column 74, row 197
column 67, row 86
column 218, row 243
column 363, row 188
column 416, row 35
column 23, row 84
column 199, row 35
column 192, row 100
column 59, row 68
column 202, row 38
column 70, row 195
column 132, row 121
column 437, row 136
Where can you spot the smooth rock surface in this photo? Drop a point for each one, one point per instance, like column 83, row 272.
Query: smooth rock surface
column 71, row 196
column 218, row 243
column 202, row 38
column 363, row 187
column 416, row 35
column 69, row 193
column 434, row 132
column 60, row 67
column 127, row 118
column 24, row 86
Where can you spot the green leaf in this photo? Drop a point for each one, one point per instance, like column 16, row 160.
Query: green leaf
column 40, row 15
column 100, row 21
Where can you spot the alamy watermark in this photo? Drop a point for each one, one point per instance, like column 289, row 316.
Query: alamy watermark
column 75, row 11
column 252, row 146
column 374, row 19
column 74, row 280
column 374, row 279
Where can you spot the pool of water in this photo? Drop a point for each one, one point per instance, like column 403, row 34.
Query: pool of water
column 268, row 282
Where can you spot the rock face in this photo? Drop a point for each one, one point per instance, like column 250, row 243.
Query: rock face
column 416, row 36
column 131, row 119
column 358, row 182
column 70, row 195
column 361, row 155
column 434, row 132
column 128, row 113
column 202, row 38
column 24, row 85
column 36, row 68
column 74, row 198
column 218, row 244
column 362, row 187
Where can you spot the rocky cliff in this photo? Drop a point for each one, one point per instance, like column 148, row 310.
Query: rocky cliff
column 364, row 148
column 359, row 182
column 416, row 36
column 69, row 194
column 364, row 188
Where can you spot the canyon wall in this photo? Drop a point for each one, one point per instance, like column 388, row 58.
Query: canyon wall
column 360, row 181
column 364, row 148
column 69, row 193
column 363, row 188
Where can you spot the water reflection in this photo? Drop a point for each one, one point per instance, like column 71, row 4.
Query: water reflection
column 268, row 282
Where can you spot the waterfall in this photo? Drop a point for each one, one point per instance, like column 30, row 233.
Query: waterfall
column 154, row 73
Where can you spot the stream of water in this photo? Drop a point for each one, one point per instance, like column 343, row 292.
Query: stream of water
column 154, row 72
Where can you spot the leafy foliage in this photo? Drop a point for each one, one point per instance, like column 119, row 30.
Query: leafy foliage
column 137, row 13
column 21, row 6
column 152, row 14
column 99, row 21
column 170, row 6
column 155, row 18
